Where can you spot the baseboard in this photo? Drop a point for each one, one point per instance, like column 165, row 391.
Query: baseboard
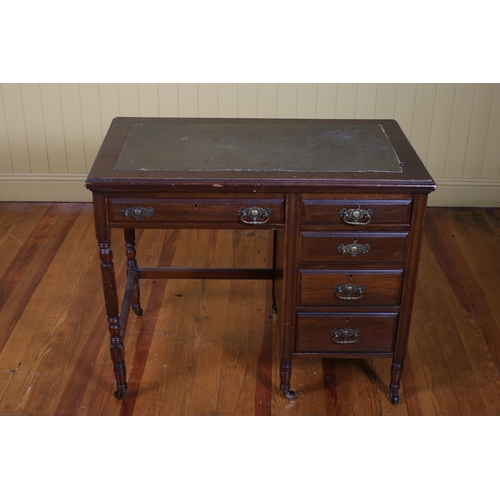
column 44, row 187
column 466, row 193
column 71, row 188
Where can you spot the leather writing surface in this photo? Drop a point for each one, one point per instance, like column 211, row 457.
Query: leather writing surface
column 285, row 147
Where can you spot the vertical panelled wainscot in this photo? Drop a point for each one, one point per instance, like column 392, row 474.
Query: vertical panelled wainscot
column 346, row 199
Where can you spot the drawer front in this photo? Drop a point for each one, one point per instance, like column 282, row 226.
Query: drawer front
column 360, row 212
column 345, row 333
column 192, row 211
column 318, row 247
column 350, row 288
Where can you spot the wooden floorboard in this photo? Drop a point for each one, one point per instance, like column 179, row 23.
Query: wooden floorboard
column 210, row 347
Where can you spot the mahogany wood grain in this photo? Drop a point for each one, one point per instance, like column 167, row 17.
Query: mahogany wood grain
column 377, row 333
column 373, row 287
column 320, row 212
column 322, row 247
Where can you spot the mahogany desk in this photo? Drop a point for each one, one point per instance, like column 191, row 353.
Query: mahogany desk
column 346, row 199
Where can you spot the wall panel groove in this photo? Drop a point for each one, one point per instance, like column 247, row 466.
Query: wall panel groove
column 5, row 155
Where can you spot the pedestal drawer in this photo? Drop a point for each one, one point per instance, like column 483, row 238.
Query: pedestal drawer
column 350, row 288
column 346, row 333
column 349, row 247
column 355, row 212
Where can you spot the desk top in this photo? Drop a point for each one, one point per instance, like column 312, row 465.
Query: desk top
column 267, row 153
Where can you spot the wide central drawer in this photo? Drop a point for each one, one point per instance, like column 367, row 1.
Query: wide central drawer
column 349, row 248
column 345, row 288
column 346, row 333
column 198, row 210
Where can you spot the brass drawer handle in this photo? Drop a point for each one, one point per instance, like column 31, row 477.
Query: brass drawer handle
column 345, row 336
column 137, row 212
column 254, row 215
column 349, row 292
column 356, row 216
column 354, row 249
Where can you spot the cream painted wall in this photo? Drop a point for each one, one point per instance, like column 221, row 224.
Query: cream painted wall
column 50, row 133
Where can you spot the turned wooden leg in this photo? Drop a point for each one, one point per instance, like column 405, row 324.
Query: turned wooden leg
column 132, row 264
column 396, row 372
column 111, row 299
column 286, row 373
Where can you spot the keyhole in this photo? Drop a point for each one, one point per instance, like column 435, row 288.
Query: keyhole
column 195, row 206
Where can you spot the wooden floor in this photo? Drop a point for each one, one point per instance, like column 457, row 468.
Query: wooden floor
column 210, row 347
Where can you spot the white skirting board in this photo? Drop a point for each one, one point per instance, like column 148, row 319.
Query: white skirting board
column 44, row 187
column 71, row 188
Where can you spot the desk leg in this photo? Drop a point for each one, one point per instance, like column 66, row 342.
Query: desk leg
column 132, row 265
column 396, row 372
column 111, row 299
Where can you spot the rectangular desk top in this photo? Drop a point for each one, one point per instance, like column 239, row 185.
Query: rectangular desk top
column 168, row 153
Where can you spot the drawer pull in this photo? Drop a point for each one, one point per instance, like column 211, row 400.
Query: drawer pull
column 356, row 216
column 254, row 215
column 345, row 336
column 354, row 249
column 349, row 291
column 137, row 212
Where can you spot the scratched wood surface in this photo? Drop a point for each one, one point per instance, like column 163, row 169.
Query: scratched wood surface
column 210, row 347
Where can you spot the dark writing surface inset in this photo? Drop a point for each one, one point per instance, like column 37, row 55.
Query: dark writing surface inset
column 287, row 147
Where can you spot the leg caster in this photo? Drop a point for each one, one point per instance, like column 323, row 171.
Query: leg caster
column 137, row 309
column 396, row 372
column 285, row 374
column 119, row 393
column 394, row 395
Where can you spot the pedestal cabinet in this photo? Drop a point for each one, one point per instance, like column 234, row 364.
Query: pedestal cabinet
column 346, row 199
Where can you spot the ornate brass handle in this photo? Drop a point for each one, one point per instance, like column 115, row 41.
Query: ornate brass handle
column 354, row 249
column 349, row 291
column 254, row 215
column 345, row 336
column 137, row 212
column 356, row 216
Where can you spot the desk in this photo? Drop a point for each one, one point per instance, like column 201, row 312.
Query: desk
column 345, row 198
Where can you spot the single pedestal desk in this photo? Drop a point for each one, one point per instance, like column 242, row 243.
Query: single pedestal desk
column 345, row 198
